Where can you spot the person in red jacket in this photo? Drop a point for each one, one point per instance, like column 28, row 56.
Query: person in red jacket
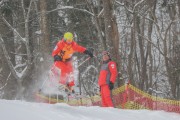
column 62, row 54
column 107, row 77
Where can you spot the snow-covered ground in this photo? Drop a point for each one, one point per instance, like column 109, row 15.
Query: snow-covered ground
column 21, row 110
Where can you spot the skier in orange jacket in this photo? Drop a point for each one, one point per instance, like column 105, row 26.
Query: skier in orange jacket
column 107, row 77
column 62, row 54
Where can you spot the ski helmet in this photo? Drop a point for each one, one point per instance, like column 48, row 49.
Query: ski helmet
column 68, row 37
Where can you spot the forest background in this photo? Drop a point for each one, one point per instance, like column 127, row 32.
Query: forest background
column 143, row 37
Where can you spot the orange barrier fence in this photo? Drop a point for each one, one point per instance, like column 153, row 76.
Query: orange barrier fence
column 133, row 98
column 124, row 97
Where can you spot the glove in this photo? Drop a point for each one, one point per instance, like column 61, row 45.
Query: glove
column 111, row 85
column 57, row 58
column 88, row 53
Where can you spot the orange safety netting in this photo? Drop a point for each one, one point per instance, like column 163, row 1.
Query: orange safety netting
column 125, row 97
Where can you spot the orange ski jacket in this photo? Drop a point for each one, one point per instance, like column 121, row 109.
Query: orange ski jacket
column 65, row 51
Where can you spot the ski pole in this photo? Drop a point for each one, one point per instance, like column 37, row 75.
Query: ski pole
column 45, row 80
column 84, row 61
column 96, row 58
column 42, row 85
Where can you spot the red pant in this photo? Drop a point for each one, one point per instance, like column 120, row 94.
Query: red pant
column 66, row 68
column 106, row 96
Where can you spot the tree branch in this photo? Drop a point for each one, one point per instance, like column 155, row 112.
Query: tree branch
column 6, row 81
column 70, row 7
column 7, row 23
column 1, row 3
column 157, row 48
column 8, row 58
column 135, row 6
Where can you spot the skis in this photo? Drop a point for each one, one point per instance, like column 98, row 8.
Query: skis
column 70, row 93
column 66, row 89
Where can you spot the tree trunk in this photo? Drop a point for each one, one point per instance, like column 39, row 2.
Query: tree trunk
column 149, row 46
column 45, row 42
column 142, row 58
column 108, row 25
column 131, row 53
column 97, row 21
column 45, row 39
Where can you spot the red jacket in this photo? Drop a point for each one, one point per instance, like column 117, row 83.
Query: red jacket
column 66, row 50
column 108, row 73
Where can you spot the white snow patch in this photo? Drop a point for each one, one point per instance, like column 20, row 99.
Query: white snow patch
column 21, row 110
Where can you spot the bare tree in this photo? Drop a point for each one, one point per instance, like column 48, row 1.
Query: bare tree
column 26, row 66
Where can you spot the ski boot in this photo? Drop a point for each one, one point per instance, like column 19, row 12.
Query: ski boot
column 69, row 89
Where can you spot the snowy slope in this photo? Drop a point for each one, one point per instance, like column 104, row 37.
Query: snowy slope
column 20, row 110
